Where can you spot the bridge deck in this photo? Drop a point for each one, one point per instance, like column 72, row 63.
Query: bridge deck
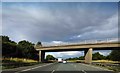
column 81, row 46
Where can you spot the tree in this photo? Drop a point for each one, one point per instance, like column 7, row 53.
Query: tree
column 81, row 58
column 98, row 56
column 115, row 55
column 5, row 39
column 50, row 57
column 39, row 44
column 9, row 47
column 69, row 59
column 74, row 58
column 24, row 49
column 27, row 49
column 107, row 57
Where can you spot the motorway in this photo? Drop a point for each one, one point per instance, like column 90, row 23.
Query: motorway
column 62, row 68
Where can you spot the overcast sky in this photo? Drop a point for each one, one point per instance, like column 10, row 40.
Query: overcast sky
column 56, row 22
column 60, row 0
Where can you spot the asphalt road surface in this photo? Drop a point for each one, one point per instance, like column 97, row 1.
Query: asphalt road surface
column 63, row 68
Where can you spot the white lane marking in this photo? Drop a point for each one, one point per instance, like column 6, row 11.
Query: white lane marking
column 33, row 68
column 84, row 71
column 53, row 71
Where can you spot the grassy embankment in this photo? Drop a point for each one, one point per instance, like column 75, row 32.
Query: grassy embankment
column 9, row 63
column 111, row 65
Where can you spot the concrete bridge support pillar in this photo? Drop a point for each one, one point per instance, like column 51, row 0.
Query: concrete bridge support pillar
column 41, row 56
column 88, row 56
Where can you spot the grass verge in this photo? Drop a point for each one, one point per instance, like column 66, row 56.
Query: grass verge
column 111, row 65
column 9, row 63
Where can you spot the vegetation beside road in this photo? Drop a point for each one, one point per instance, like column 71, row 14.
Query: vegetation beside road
column 107, row 64
column 22, row 49
column 111, row 65
column 113, row 56
column 18, row 54
column 114, row 68
column 9, row 63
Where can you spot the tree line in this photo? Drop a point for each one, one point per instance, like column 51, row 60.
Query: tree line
column 114, row 55
column 25, row 49
column 22, row 49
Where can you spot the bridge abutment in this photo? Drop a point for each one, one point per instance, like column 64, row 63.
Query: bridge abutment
column 41, row 56
column 88, row 55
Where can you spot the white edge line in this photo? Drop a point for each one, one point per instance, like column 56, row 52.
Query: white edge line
column 84, row 71
column 33, row 68
column 53, row 71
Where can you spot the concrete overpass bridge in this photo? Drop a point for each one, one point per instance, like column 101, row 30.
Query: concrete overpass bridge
column 86, row 46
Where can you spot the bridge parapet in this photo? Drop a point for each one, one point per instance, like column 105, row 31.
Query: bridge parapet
column 108, row 40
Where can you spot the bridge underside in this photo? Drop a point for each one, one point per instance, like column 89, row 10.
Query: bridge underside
column 87, row 52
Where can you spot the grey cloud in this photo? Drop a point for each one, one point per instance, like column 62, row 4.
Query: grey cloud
column 106, row 29
column 39, row 24
column 60, row 1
